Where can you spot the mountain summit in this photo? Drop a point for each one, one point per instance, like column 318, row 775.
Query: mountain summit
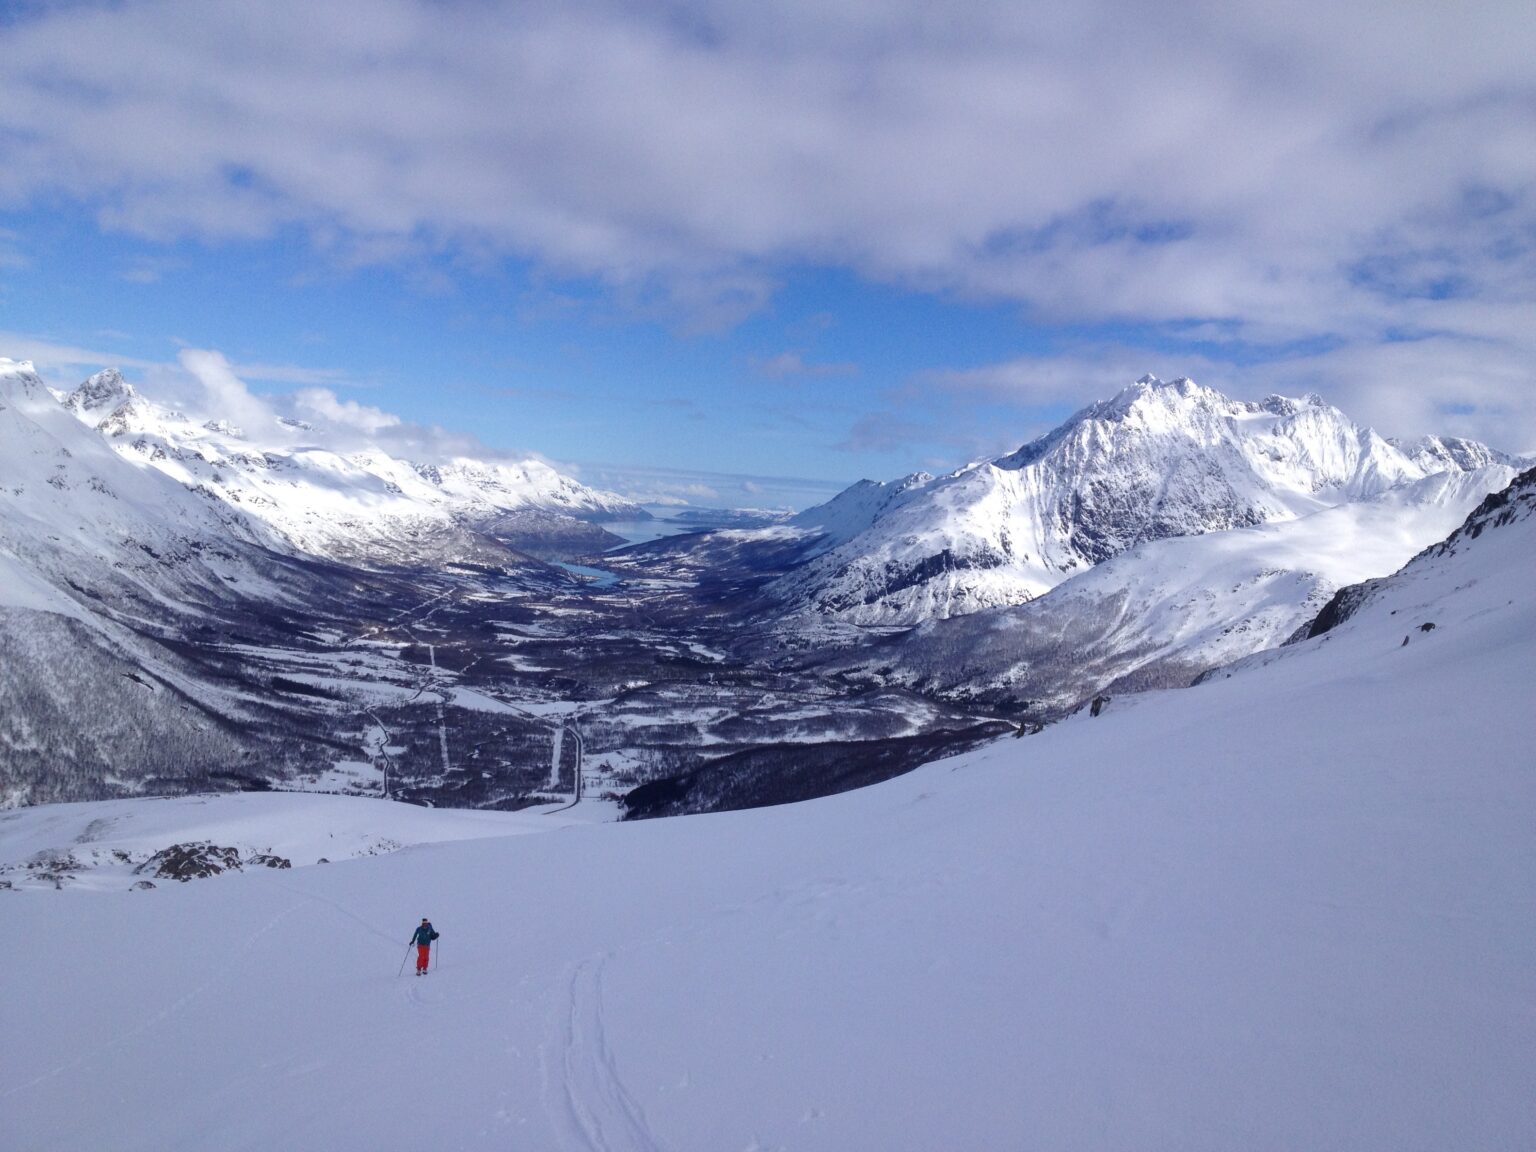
column 100, row 395
column 1158, row 460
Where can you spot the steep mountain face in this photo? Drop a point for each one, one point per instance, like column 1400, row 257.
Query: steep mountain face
column 102, row 566
column 1165, row 612
column 1159, row 460
column 362, row 506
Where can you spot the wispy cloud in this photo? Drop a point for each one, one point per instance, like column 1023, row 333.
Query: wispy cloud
column 296, row 374
column 11, row 255
column 793, row 364
column 56, row 358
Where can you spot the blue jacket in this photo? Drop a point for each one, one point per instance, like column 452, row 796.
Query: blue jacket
column 424, row 935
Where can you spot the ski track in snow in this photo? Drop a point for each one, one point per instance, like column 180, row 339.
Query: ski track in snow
column 164, row 1014
column 589, row 1102
column 347, row 912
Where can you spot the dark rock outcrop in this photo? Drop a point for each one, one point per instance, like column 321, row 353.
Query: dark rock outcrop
column 190, row 861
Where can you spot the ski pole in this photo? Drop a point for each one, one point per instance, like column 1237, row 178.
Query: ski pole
column 437, row 947
column 402, row 962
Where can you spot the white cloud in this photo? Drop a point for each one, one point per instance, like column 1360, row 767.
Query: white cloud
column 225, row 396
column 1327, row 168
column 323, row 404
column 996, row 148
column 57, row 360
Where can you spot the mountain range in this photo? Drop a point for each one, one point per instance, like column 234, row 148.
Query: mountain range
column 187, row 603
column 1159, row 460
column 362, row 506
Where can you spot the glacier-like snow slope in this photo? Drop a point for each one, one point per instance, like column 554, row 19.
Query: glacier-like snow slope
column 357, row 505
column 1158, row 460
column 1163, row 612
column 1290, row 908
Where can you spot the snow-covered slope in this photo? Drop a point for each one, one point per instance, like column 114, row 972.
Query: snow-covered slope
column 106, row 568
column 359, row 506
column 105, row 845
column 1168, row 610
column 70, row 509
column 1156, row 461
column 146, row 625
column 1287, row 909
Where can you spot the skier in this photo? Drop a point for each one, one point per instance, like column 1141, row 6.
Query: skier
column 423, row 938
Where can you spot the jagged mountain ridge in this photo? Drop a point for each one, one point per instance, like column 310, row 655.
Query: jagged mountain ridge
column 75, row 512
column 1165, row 612
column 1158, row 460
column 356, row 506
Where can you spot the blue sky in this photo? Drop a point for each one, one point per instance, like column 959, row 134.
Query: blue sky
column 689, row 248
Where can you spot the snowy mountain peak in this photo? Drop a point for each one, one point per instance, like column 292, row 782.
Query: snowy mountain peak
column 349, row 503
column 1150, row 395
column 1278, row 405
column 100, row 395
column 1157, row 460
column 855, row 509
column 1445, row 453
column 19, row 379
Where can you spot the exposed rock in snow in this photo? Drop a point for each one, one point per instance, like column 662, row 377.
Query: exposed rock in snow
column 1166, row 611
column 191, row 861
column 1158, row 460
column 357, row 506
column 1510, row 505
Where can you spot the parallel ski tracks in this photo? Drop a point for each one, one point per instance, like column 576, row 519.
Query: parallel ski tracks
column 584, row 1094
column 220, row 973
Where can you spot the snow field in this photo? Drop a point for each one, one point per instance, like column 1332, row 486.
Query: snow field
column 302, row 827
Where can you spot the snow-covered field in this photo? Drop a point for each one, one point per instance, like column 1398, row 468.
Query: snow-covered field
column 1287, row 909
column 108, row 839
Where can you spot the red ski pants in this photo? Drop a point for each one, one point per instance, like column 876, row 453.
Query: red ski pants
column 423, row 954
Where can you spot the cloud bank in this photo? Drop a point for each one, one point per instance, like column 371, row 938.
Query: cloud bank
column 1344, row 188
